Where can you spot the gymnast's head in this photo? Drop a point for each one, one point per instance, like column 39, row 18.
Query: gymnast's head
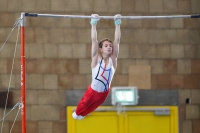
column 106, row 46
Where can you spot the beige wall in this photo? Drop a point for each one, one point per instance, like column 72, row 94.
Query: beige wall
column 58, row 54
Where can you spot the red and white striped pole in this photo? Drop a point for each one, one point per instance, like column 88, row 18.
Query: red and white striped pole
column 23, row 74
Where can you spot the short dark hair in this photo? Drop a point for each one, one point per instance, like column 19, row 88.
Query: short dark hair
column 103, row 40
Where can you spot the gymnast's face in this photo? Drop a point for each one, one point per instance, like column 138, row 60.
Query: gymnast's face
column 107, row 48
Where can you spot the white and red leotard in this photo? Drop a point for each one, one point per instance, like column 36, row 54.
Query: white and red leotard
column 97, row 92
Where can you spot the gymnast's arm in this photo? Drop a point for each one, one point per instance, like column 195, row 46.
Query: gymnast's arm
column 94, row 49
column 116, row 44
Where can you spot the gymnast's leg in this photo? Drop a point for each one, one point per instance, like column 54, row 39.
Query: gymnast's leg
column 89, row 102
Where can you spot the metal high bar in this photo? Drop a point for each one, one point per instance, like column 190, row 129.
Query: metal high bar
column 111, row 17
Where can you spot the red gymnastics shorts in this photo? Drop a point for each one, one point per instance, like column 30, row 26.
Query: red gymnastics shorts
column 90, row 101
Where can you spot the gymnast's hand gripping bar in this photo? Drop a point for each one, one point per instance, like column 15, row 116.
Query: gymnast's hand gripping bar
column 111, row 17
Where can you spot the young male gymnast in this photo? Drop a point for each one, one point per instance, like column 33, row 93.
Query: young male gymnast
column 104, row 63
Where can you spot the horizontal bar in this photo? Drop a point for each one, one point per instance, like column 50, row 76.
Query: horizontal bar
column 111, row 17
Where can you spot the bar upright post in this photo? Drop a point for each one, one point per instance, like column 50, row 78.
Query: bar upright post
column 23, row 74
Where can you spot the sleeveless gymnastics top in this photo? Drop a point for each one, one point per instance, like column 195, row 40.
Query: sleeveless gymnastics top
column 102, row 75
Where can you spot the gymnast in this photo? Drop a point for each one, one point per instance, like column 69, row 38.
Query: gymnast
column 104, row 63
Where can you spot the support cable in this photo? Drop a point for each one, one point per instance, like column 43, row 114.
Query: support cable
column 14, row 26
column 17, row 23
column 15, row 106
column 20, row 106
